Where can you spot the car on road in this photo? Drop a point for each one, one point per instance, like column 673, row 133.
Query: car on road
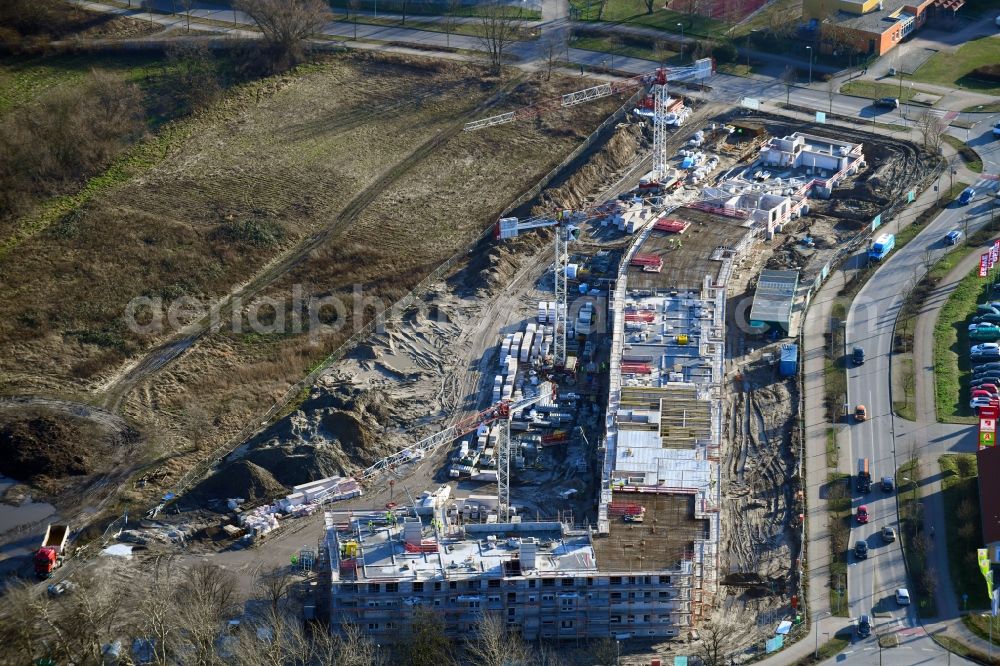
column 953, row 237
column 996, row 126
column 858, row 356
column 860, row 413
column 887, row 484
column 888, row 534
column 862, row 514
column 903, row 596
column 967, row 195
column 864, row 626
column 861, row 549
column 886, row 103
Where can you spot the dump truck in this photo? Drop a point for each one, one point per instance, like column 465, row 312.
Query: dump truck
column 50, row 555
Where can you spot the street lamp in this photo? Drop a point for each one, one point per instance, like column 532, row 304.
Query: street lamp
column 810, row 49
column 818, row 618
column 681, row 26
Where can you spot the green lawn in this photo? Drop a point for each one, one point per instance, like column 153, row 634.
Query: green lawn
column 980, row 626
column 951, row 350
column 838, row 507
column 960, row 490
column 427, row 8
column 439, row 24
column 952, row 69
column 911, row 535
column 875, row 89
column 623, row 47
column 968, row 155
column 23, row 79
column 633, row 12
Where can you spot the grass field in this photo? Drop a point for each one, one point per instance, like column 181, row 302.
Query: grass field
column 968, row 155
column 875, row 89
column 979, row 624
column 633, row 12
column 633, row 48
column 951, row 350
column 915, row 543
column 960, row 490
column 838, row 507
column 953, row 69
column 438, row 24
column 427, row 8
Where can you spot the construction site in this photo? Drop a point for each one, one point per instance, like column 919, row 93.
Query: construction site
column 572, row 426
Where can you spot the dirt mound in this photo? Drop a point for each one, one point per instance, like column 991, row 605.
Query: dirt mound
column 45, row 447
column 301, row 464
column 616, row 154
column 240, row 479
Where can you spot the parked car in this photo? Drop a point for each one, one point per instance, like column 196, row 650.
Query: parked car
column 982, row 367
column 903, row 596
column 967, row 195
column 887, row 103
column 860, row 413
column 953, row 237
column 864, row 626
column 862, row 514
column 976, row 403
column 985, row 347
column 978, row 393
column 888, row 534
column 887, row 484
column 858, row 356
column 986, row 319
column 861, row 549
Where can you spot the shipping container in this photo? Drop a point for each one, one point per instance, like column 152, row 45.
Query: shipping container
column 789, row 364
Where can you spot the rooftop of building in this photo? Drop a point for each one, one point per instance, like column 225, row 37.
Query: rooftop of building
column 488, row 549
column 820, row 144
column 690, row 256
column 988, row 460
column 661, row 541
column 775, row 296
column 889, row 13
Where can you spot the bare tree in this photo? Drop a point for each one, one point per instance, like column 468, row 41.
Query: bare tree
column 931, row 131
column 402, row 7
column 356, row 6
column 451, row 20
column 498, row 27
column 601, row 6
column 424, row 643
column 715, row 640
column 187, row 5
column 496, row 645
column 555, row 44
column 352, row 647
column 148, row 5
column 831, row 91
column 661, row 51
column 606, row 651
column 272, row 586
column 615, row 46
column 286, row 24
column 650, row 4
column 788, row 77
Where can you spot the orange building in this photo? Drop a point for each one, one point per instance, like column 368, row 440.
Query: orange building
column 871, row 27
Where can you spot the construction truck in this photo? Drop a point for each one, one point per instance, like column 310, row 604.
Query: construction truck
column 50, row 555
column 864, row 482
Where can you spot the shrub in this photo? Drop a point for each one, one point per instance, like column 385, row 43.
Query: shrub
column 725, row 52
column 986, row 72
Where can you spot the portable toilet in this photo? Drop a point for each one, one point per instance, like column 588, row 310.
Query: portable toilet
column 788, row 365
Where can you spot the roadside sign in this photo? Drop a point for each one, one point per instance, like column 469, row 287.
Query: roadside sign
column 993, row 256
column 986, row 425
column 987, row 439
column 821, row 116
column 984, row 566
column 750, row 103
column 984, row 262
column 876, row 221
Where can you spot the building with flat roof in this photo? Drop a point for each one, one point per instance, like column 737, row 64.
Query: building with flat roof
column 869, row 27
column 774, row 299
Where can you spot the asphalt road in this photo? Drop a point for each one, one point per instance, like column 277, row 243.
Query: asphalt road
column 888, row 441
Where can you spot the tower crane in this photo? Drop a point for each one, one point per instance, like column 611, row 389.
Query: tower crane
column 502, row 411
column 656, row 80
